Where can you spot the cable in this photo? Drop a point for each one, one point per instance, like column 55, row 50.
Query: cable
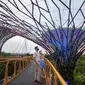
column 18, row 45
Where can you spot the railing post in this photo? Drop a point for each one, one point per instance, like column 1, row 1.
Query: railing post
column 23, row 65
column 55, row 80
column 26, row 63
column 6, row 73
column 20, row 66
column 50, row 74
column 47, row 77
column 14, row 69
column 48, row 81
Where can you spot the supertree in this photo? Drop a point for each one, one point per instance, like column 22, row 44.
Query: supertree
column 56, row 25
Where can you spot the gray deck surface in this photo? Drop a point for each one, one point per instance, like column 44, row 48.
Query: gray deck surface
column 26, row 77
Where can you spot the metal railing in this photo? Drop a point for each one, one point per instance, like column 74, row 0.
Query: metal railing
column 18, row 65
column 52, row 75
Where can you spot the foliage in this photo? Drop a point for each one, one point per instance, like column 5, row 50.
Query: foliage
column 2, row 70
column 31, row 57
column 79, row 72
column 27, row 54
column 5, row 54
column 51, row 60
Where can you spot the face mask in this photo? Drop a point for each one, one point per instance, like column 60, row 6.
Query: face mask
column 37, row 49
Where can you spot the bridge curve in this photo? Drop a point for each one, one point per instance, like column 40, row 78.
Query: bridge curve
column 26, row 77
column 24, row 70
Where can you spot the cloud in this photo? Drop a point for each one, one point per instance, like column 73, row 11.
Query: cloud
column 18, row 44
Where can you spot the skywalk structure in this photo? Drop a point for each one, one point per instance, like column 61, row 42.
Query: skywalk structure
column 56, row 25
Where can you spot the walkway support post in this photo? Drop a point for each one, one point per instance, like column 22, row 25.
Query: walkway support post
column 23, row 64
column 6, row 73
column 55, row 79
column 14, row 69
column 20, row 66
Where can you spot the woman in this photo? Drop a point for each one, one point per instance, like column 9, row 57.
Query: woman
column 42, row 62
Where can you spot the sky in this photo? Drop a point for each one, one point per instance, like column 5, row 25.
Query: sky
column 53, row 10
column 18, row 44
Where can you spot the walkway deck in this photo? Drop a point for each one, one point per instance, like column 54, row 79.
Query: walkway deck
column 26, row 77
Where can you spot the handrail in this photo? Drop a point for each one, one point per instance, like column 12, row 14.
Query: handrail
column 22, row 62
column 50, row 71
column 56, row 74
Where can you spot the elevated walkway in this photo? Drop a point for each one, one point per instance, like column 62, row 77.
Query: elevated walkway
column 26, row 77
column 23, row 70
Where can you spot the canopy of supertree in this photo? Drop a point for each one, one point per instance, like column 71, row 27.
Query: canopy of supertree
column 56, row 25
column 66, row 42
